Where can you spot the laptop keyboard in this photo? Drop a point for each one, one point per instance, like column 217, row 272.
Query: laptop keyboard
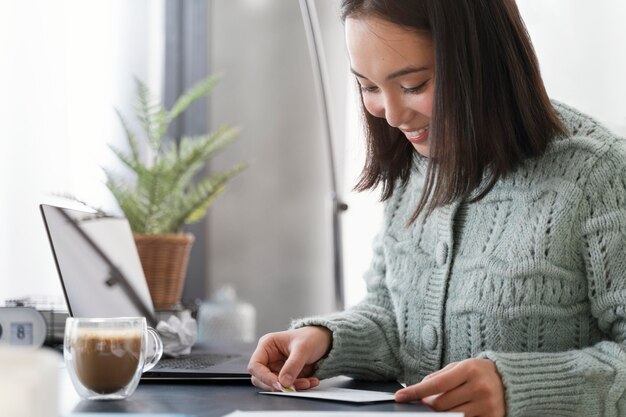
column 195, row 361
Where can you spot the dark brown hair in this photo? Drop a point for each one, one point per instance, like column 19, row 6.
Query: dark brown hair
column 490, row 108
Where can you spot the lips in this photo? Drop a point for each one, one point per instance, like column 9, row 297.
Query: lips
column 417, row 136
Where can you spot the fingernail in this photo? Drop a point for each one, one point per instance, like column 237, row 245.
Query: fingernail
column 287, row 380
column 282, row 388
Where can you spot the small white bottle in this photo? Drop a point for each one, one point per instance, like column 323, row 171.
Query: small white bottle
column 225, row 318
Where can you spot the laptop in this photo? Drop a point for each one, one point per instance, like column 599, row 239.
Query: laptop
column 101, row 276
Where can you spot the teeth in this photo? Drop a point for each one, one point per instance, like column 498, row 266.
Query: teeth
column 417, row 132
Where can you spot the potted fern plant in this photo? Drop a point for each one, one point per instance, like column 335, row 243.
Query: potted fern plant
column 169, row 188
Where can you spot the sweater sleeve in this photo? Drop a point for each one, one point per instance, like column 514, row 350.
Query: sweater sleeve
column 365, row 337
column 590, row 381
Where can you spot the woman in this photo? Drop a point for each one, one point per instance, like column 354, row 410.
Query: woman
column 498, row 284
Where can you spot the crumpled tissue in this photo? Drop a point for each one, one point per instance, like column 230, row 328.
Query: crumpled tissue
column 178, row 334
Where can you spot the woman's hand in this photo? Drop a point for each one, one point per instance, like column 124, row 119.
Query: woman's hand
column 288, row 358
column 472, row 386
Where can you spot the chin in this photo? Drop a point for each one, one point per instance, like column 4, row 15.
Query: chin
column 423, row 149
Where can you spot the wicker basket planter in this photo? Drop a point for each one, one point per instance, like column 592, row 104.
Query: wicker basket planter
column 164, row 260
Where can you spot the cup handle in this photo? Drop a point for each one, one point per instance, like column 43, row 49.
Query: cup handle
column 149, row 363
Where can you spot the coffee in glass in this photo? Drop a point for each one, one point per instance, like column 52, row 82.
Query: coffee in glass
column 105, row 357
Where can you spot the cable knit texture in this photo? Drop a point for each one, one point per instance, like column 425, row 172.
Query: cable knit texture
column 533, row 277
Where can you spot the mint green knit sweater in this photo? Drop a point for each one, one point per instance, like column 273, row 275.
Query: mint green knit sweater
column 533, row 277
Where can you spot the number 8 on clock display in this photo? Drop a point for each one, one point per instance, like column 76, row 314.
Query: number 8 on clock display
column 22, row 326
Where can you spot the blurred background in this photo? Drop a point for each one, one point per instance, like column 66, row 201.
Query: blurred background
column 67, row 64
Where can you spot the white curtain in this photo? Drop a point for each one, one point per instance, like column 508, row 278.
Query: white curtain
column 65, row 66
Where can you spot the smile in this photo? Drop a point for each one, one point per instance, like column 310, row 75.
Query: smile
column 417, row 136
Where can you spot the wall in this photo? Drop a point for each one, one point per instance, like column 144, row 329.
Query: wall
column 580, row 46
column 270, row 232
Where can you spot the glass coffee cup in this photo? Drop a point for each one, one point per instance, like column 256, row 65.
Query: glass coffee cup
column 105, row 357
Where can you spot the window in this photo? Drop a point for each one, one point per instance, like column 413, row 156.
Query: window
column 66, row 66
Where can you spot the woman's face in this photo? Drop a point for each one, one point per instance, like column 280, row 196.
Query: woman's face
column 395, row 69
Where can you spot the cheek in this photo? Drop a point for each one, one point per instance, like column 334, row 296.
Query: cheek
column 373, row 105
column 423, row 104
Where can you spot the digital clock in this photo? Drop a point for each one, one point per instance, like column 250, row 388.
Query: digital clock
column 22, row 326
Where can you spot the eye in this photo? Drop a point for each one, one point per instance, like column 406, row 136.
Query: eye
column 414, row 90
column 365, row 89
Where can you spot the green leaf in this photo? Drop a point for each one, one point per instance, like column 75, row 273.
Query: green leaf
column 208, row 191
column 199, row 90
column 194, row 152
column 129, row 161
column 130, row 137
column 128, row 201
column 152, row 116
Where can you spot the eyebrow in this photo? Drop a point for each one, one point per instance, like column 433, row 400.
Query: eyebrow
column 396, row 74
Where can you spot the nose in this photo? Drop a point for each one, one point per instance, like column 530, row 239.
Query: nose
column 396, row 113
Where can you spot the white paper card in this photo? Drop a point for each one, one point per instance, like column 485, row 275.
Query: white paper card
column 338, row 414
column 339, row 394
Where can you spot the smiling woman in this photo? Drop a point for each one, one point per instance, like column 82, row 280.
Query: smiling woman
column 497, row 283
column 436, row 57
column 71, row 64
column 596, row 86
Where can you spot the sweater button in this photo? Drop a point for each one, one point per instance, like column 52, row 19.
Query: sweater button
column 441, row 254
column 429, row 337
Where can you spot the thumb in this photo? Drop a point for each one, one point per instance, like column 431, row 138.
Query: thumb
column 292, row 367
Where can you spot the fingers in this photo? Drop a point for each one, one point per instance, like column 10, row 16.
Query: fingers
column 293, row 366
column 262, row 377
column 454, row 398
column 276, row 366
column 302, row 384
column 472, row 386
column 258, row 383
column 268, row 360
column 442, row 382
column 287, row 357
column 259, row 365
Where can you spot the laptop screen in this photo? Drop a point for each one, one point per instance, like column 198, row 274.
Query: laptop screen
column 84, row 272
